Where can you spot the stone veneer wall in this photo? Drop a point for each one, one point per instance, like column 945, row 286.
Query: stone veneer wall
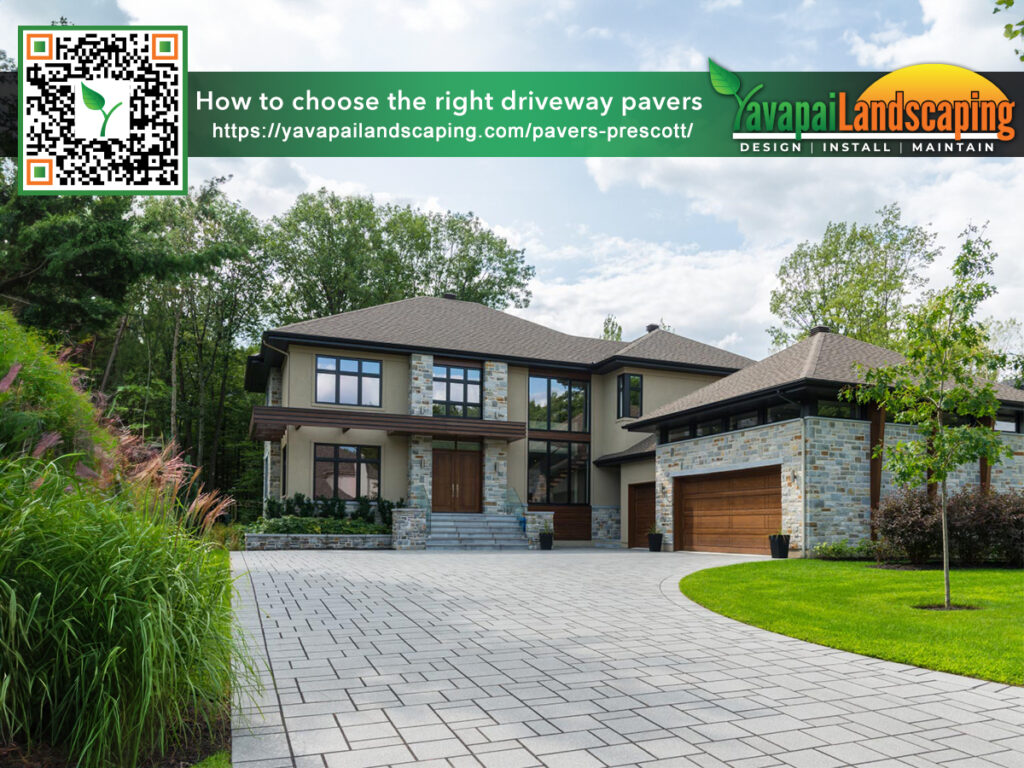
column 535, row 520
column 409, row 528
column 421, row 384
column 276, row 541
column 495, row 458
column 421, row 454
column 495, row 475
column 606, row 526
column 838, row 480
column 1009, row 473
column 421, row 471
column 742, row 449
column 272, row 448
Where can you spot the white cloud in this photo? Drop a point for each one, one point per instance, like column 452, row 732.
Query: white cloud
column 777, row 202
column 708, row 295
column 718, row 5
column 956, row 32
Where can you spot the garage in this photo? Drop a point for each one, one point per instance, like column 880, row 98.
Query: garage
column 728, row 511
column 641, row 513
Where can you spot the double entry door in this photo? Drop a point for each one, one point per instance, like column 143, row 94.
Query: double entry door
column 457, row 483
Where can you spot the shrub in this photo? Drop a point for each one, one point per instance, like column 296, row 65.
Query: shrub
column 229, row 536
column 38, row 397
column 910, row 522
column 1009, row 545
column 843, row 550
column 293, row 524
column 300, row 505
column 116, row 633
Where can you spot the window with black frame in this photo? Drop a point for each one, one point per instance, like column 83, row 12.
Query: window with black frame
column 559, row 404
column 458, row 391
column 348, row 381
column 346, row 471
column 630, row 395
column 557, row 472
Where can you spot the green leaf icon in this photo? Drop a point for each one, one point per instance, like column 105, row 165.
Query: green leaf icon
column 722, row 80
column 92, row 99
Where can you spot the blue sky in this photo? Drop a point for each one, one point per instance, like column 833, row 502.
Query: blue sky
column 695, row 242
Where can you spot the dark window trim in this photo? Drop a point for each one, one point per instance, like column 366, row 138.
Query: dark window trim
column 448, row 403
column 547, row 493
column 569, row 414
column 284, row 469
column 623, row 395
column 338, row 373
column 357, row 461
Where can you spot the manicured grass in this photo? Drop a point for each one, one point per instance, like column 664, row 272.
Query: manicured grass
column 868, row 610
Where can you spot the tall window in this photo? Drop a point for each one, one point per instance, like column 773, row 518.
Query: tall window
column 347, row 381
column 631, row 395
column 557, row 472
column 346, row 471
column 562, row 405
column 458, row 391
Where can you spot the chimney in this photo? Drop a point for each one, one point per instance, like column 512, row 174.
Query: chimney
column 653, row 327
column 448, row 296
column 819, row 329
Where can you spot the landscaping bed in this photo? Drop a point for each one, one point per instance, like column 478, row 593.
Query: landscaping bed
column 860, row 608
column 292, row 532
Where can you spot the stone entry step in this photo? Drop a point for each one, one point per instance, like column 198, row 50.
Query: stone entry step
column 475, row 531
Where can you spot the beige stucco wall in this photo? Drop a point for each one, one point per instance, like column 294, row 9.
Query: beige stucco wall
column 630, row 474
column 518, row 394
column 394, row 454
column 609, row 434
column 300, row 378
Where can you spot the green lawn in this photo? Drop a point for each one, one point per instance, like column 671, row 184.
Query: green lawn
column 856, row 607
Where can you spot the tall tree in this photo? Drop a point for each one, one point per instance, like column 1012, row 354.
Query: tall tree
column 612, row 330
column 945, row 386
column 336, row 254
column 856, row 280
column 1012, row 30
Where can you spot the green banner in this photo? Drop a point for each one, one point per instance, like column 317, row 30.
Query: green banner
column 926, row 110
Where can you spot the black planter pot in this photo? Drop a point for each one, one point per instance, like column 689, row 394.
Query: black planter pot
column 780, row 544
column 654, row 542
column 547, row 540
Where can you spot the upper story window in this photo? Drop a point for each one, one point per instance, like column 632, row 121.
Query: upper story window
column 347, row 381
column 782, row 412
column 630, row 395
column 837, row 409
column 561, row 405
column 458, row 391
column 1006, row 421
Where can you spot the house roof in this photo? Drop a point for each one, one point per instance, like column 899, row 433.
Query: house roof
column 453, row 326
column 821, row 357
column 641, row 450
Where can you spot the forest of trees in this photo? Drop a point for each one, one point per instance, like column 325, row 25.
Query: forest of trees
column 160, row 299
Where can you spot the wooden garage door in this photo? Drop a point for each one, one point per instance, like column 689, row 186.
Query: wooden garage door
column 728, row 511
column 641, row 513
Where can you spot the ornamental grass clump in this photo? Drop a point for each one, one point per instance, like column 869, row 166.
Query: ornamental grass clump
column 116, row 631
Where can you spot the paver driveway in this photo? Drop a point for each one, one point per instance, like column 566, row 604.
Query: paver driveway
column 576, row 659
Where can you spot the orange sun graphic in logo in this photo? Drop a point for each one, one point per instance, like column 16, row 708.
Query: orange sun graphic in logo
column 934, row 82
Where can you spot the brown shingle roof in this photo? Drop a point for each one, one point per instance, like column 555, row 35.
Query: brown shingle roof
column 641, row 450
column 828, row 357
column 461, row 326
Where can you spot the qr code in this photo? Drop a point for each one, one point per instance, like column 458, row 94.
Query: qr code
column 102, row 110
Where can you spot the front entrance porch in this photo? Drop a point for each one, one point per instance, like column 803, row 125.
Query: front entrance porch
column 457, row 476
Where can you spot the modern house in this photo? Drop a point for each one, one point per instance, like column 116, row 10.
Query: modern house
column 460, row 409
column 773, row 447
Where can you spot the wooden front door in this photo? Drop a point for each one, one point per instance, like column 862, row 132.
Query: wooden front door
column 728, row 511
column 641, row 513
column 457, row 485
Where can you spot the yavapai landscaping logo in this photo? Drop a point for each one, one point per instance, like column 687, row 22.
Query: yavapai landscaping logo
column 935, row 108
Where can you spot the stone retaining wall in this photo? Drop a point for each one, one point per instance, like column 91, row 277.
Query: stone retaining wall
column 274, row 541
column 409, row 528
column 605, row 526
